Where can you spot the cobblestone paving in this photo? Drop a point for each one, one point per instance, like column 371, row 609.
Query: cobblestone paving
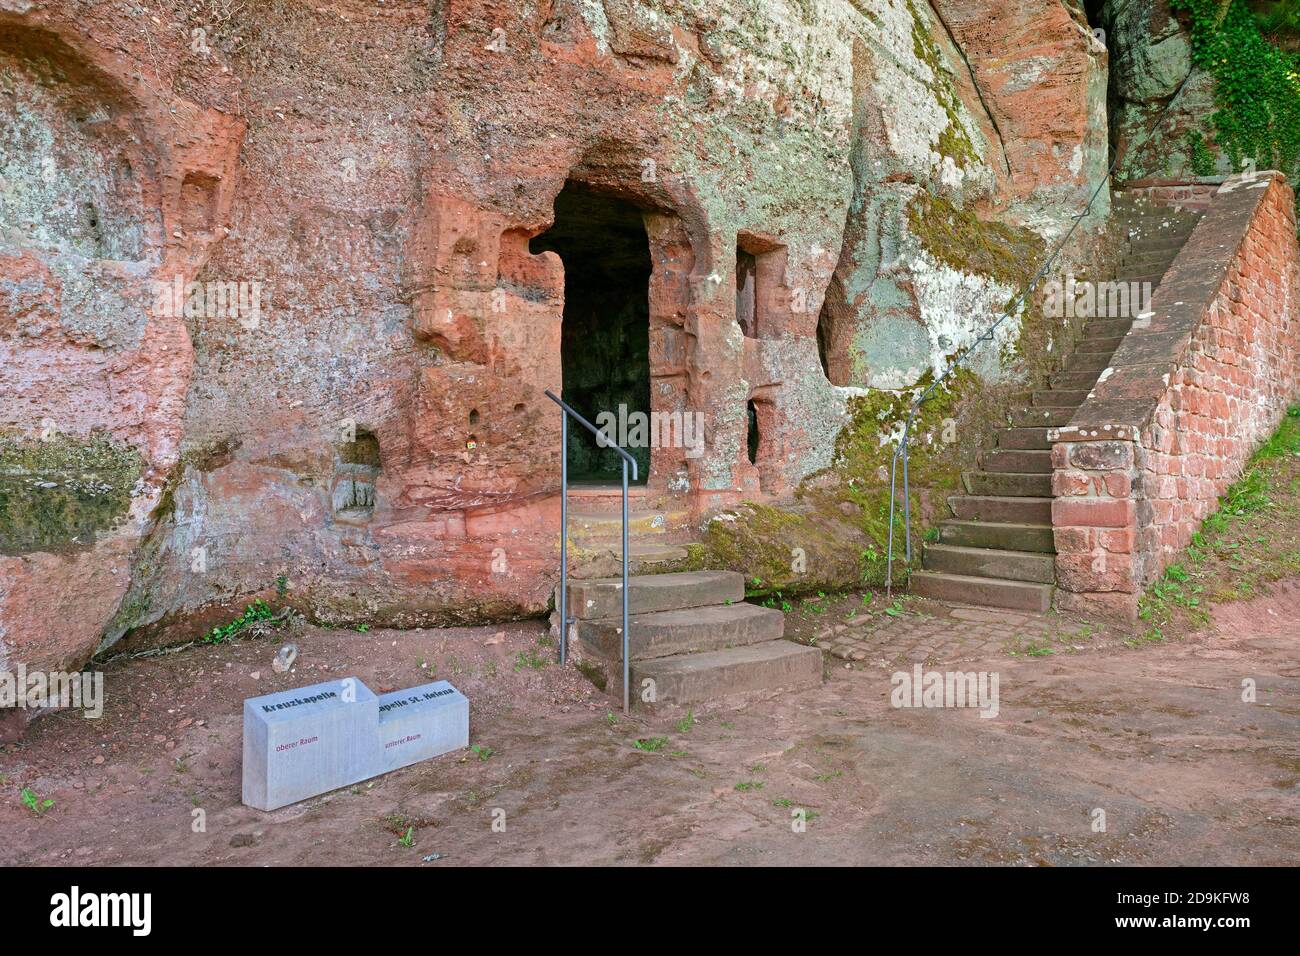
column 918, row 631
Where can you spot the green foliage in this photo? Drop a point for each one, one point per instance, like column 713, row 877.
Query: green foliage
column 1278, row 19
column 33, row 802
column 257, row 611
column 1257, row 85
column 650, row 744
column 1199, row 155
column 531, row 660
column 1248, row 541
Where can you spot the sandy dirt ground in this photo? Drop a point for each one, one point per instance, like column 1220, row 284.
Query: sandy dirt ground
column 1158, row 737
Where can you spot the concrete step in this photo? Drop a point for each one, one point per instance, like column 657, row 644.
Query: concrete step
column 1022, row 438
column 1000, row 509
column 989, row 592
column 1004, row 461
column 1008, row 484
column 664, row 633
column 1061, row 397
column 1004, row 537
column 696, row 678
column 990, row 563
column 647, row 593
column 1030, row 416
column 1074, row 380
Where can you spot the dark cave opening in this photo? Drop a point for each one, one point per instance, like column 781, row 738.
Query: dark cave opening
column 605, row 339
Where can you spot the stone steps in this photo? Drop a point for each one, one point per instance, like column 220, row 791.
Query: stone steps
column 1008, row 483
column 1088, row 361
column 1004, row 537
column 607, row 499
column 1061, row 397
column 1107, row 328
column 692, row 633
column 684, row 631
column 999, row 549
column 1017, row 461
column 699, row 678
column 1074, row 380
column 608, row 525
column 989, row 592
column 1023, row 439
column 1034, row 415
column 1100, row 343
column 999, row 509
column 603, row 597
column 1033, row 566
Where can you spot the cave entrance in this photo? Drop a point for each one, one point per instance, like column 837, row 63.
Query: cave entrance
column 605, row 337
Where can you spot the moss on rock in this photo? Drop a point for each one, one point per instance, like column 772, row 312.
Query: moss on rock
column 960, row 239
column 56, row 495
column 954, row 142
column 835, row 534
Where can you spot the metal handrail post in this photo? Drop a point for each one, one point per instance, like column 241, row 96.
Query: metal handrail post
column 564, row 537
column 566, row 411
column 626, row 697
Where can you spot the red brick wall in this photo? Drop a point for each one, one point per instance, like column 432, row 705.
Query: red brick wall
column 1184, row 404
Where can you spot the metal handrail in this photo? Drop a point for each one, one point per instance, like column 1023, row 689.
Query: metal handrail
column 604, row 442
column 985, row 336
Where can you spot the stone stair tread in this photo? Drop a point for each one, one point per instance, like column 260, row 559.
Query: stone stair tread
column 1002, row 509
column 592, row 598
column 980, row 591
column 1016, row 461
column 1011, row 483
column 696, row 678
column 681, row 631
column 1032, row 566
column 1024, row 439
column 1019, row 536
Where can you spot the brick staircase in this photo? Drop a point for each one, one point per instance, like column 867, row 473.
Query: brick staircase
column 691, row 633
column 997, row 550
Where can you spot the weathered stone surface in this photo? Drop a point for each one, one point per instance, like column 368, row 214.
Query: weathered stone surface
column 695, row 678
column 375, row 440
column 664, row 633
column 1194, row 396
column 603, row 597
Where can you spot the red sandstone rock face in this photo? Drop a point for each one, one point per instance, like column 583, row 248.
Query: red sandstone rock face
column 117, row 187
column 377, row 434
